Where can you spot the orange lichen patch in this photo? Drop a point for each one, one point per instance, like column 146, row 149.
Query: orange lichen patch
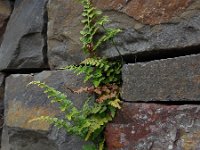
column 113, row 137
column 190, row 140
column 147, row 11
column 20, row 116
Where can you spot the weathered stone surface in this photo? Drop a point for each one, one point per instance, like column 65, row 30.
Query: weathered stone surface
column 148, row 12
column 155, row 127
column 24, row 42
column 5, row 10
column 64, row 25
column 2, row 77
column 22, row 104
column 152, row 26
column 175, row 79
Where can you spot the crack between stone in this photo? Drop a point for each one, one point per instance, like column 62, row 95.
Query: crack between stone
column 160, row 54
column 187, row 102
column 25, row 70
column 44, row 33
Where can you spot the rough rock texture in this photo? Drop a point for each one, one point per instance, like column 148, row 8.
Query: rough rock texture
column 155, row 127
column 24, row 42
column 22, row 104
column 2, row 78
column 175, row 79
column 5, row 10
column 153, row 27
column 148, row 12
column 64, row 25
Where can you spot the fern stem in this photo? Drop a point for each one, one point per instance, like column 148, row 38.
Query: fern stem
column 116, row 48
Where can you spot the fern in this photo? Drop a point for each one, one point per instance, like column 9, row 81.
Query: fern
column 86, row 122
column 89, row 122
column 99, row 71
column 93, row 21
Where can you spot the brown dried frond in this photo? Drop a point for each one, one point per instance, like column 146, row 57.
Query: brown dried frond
column 104, row 92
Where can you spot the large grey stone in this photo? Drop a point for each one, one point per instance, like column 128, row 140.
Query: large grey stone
column 24, row 44
column 152, row 27
column 155, row 127
column 148, row 28
column 175, row 79
column 5, row 11
column 23, row 104
column 64, row 25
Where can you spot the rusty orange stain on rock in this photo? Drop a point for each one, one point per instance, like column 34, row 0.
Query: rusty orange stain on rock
column 20, row 115
column 146, row 11
column 190, row 140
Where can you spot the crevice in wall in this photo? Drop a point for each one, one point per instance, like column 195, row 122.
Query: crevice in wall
column 12, row 3
column 165, row 102
column 44, row 33
column 2, row 90
column 25, row 70
column 160, row 54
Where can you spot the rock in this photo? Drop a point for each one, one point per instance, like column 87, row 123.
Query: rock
column 5, row 11
column 152, row 27
column 23, row 104
column 2, row 77
column 175, row 79
column 64, row 25
column 149, row 28
column 155, row 127
column 24, row 44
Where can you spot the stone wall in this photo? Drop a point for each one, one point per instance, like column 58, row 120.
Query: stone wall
column 160, row 44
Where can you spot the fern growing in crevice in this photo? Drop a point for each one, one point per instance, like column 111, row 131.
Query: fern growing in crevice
column 93, row 21
column 99, row 71
column 88, row 122
column 105, row 75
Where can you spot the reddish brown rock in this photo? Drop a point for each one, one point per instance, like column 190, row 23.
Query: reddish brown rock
column 155, row 127
column 5, row 10
column 147, row 12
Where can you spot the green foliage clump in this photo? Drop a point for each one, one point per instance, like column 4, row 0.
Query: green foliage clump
column 94, row 21
column 99, row 71
column 89, row 121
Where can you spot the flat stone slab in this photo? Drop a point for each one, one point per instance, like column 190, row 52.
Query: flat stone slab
column 155, row 127
column 22, row 104
column 175, row 79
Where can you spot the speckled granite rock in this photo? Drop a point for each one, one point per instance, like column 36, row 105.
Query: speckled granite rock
column 175, row 79
column 155, row 127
